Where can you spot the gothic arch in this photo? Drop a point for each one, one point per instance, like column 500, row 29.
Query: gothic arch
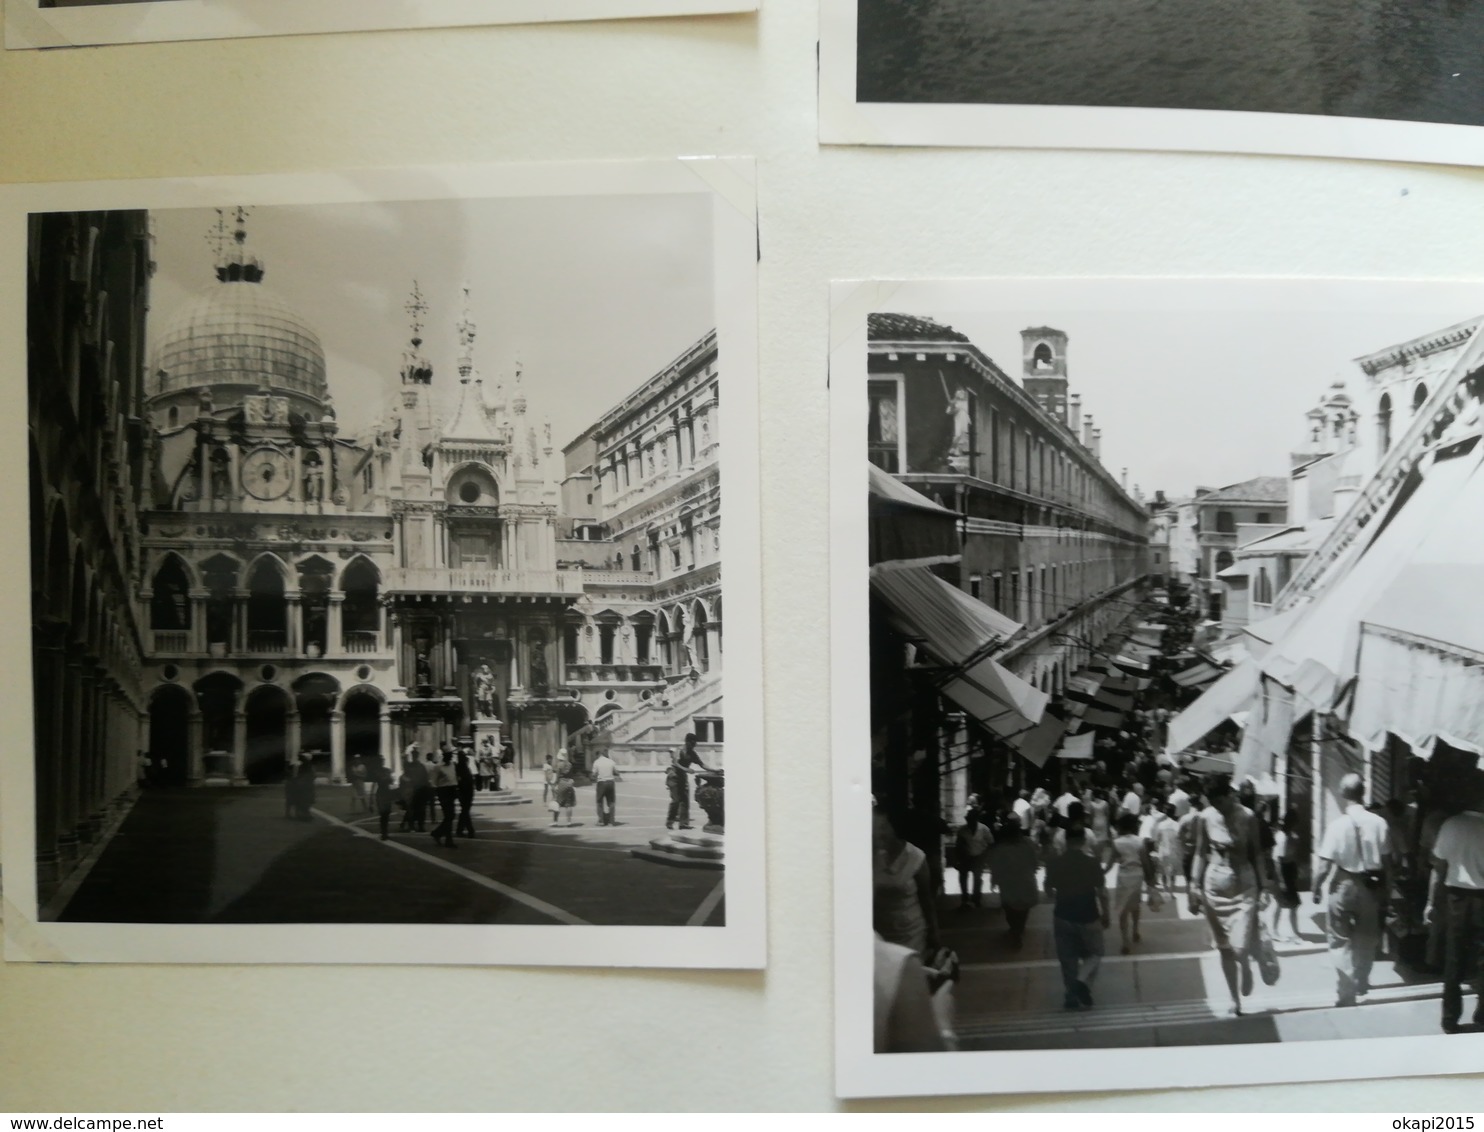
column 362, row 689
column 266, row 708
column 479, row 474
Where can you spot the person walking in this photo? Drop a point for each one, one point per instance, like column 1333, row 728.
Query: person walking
column 565, row 791
column 1186, row 829
column 464, row 776
column 605, row 787
column 971, row 844
column 445, row 786
column 359, row 798
column 1131, row 860
column 676, row 784
column 1353, row 877
column 1167, row 847
column 1012, row 869
column 690, row 762
column 1226, row 880
column 1286, row 853
column 548, row 788
column 385, row 793
column 420, row 774
column 903, row 910
column 1078, row 918
column 1459, row 852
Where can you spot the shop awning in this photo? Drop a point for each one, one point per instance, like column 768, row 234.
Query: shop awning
column 1209, row 764
column 1237, row 570
column 1327, row 632
column 999, row 700
column 1077, row 747
column 1232, row 692
column 1412, row 688
column 1197, row 675
column 950, row 624
column 907, row 526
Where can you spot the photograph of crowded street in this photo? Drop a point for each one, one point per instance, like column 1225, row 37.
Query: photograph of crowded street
column 364, row 590
column 1175, row 689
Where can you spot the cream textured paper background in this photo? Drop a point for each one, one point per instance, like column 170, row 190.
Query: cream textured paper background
column 94, row 1038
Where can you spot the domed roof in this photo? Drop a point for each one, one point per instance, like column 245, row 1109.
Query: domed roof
column 239, row 333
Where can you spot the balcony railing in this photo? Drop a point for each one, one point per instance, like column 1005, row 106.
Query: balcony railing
column 171, row 640
column 267, row 640
column 361, row 640
column 444, row 579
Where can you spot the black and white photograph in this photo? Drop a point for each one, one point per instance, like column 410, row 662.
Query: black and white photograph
column 377, row 570
column 1397, row 79
column 1158, row 707
column 77, row 23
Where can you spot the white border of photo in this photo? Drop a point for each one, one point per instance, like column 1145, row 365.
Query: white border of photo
column 845, row 121
column 859, row 1070
column 27, row 24
column 742, row 941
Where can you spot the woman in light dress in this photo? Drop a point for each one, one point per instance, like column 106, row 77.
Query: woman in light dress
column 903, row 908
column 1226, row 882
column 1131, row 859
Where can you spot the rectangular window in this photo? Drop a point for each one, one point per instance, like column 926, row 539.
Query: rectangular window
column 975, row 582
column 569, row 643
column 605, row 643
column 884, row 429
column 996, row 591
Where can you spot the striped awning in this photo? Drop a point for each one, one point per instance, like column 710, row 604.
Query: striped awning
column 950, row 624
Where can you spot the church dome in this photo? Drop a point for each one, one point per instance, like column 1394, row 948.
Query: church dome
column 237, row 338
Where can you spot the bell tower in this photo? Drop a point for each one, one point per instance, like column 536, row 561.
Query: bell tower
column 1044, row 369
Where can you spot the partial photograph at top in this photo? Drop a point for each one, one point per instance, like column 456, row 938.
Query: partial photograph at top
column 76, row 23
column 938, row 63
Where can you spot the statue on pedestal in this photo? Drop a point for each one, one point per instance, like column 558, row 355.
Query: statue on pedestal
column 484, row 692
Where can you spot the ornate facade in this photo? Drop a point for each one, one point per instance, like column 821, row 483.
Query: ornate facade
column 224, row 579
column 643, row 645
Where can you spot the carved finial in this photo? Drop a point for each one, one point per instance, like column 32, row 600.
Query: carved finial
column 233, row 263
column 416, row 370
column 466, row 329
column 416, row 308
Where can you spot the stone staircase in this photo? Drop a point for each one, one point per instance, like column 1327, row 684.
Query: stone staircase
column 654, row 722
column 500, row 798
column 686, row 849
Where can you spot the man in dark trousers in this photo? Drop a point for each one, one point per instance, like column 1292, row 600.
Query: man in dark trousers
column 1079, row 918
column 465, row 775
column 445, row 780
column 1459, row 853
column 422, row 791
column 689, row 760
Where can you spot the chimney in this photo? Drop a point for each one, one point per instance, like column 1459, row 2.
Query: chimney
column 1123, row 479
column 1097, row 444
column 1074, row 411
column 1087, row 431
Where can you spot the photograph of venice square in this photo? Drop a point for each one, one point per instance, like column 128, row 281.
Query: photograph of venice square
column 375, row 558
column 1410, row 60
column 1176, row 696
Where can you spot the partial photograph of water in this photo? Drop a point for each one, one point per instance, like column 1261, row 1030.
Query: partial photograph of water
column 1419, row 60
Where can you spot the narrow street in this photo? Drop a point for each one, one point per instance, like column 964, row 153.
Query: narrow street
column 218, row 855
column 1168, row 992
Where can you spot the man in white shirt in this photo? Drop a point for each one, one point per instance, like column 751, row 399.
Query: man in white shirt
column 1064, row 803
column 605, row 778
column 1133, row 801
column 1023, row 810
column 1459, row 851
column 1355, row 871
column 1180, row 800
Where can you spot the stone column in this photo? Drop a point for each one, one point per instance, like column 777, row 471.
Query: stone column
column 196, row 638
column 197, row 747
column 294, row 639
column 333, row 634
column 391, row 755
column 337, row 746
column 396, row 627
column 239, row 747
column 713, row 645
column 239, row 623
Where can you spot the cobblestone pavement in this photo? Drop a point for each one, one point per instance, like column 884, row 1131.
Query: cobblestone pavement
column 229, row 855
column 1168, row 991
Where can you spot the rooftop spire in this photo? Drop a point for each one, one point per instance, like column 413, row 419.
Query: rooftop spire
column 519, row 400
column 466, row 329
column 228, row 239
column 416, row 369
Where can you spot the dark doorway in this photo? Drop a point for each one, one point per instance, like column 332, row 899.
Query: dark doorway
column 267, row 735
column 169, row 736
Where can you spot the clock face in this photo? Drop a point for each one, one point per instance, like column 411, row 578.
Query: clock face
column 267, row 473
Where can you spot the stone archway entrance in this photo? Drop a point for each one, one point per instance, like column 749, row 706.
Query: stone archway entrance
column 169, row 736
column 363, row 728
column 266, row 758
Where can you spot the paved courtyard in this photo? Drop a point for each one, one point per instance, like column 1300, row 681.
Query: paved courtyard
column 229, row 855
